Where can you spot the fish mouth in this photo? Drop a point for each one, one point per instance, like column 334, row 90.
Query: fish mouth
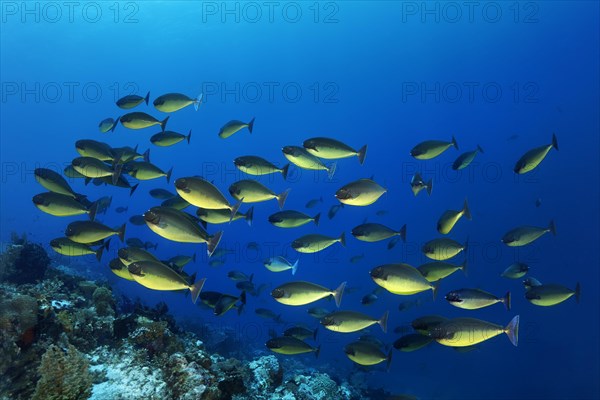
column 273, row 344
column 327, row 321
column 343, row 195
column 54, row 243
column 239, row 162
column 349, row 351
column 376, row 273
column 151, row 217
column 287, row 150
column 37, row 199
column 181, row 184
column 453, row 298
column 277, row 293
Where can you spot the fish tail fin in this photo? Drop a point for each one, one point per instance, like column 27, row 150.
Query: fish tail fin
column 466, row 246
column 163, row 124
column 116, row 173
column 121, row 232
column 512, row 330
column 389, row 360
column 282, row 197
column 362, row 154
column 100, row 251
column 240, row 309
column 480, row 149
column 429, row 186
column 196, row 288
column 213, row 242
column 331, row 170
column 235, row 209
column 93, row 210
column 316, row 219
column 243, row 297
column 315, row 332
column 146, row 155
column 318, row 351
column 189, row 136
column 284, row 171
column 295, row 267
column 249, row 215
column 552, row 228
column 147, row 98
column 115, row 124
column 554, row 141
column 133, row 189
column 168, row 176
column 466, row 211
column 435, row 287
column 338, row 293
column 87, row 181
column 343, row 239
column 402, row 233
column 454, row 143
column 393, row 242
column 251, row 125
column 577, row 292
column 198, row 101
column 464, row 267
column 106, row 245
column 383, row 321
column 506, row 300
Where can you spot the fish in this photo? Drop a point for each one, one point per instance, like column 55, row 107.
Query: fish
column 161, row 194
column 247, row 286
column 463, row 332
column 129, row 255
column 292, row 219
column 373, row 340
column 239, row 276
column 226, row 302
column 235, row 126
column 181, row 261
column 177, row 203
column 141, row 120
column 550, row 294
column 473, row 299
column 70, row 172
column 465, row 159
column 373, row 232
column 333, row 210
column 94, row 168
column 121, row 210
column 368, row 299
column 180, row 227
column 443, row 249
column 299, row 293
column 169, row 138
column 94, row 149
column 524, row 235
column 417, row 184
column 209, row 298
column 158, row 276
column 145, row 171
column 223, row 216
column 302, row 333
column 216, row 262
column 150, row 245
column 314, row 243
column 108, row 124
column 137, row 220
column 132, row 100
column 172, row 102
column 356, row 258
column 280, row 264
column 362, row 192
column 531, row 159
column 103, row 204
column 424, row 325
column 254, row 165
column 303, row 159
column 530, row 282
column 538, row 202
column 515, row 271
column 120, row 269
column 314, row 202
column 318, row 312
column 401, row 279
column 365, row 353
column 352, row 321
column 201, row 193
column 67, row 247
column 125, row 154
column 412, row 342
column 61, row 205
column 268, row 314
column 289, row 345
column 450, row 217
column 120, row 182
column 331, row 149
column 251, row 191
column 222, row 252
column 431, row 148
column 89, row 232
column 434, row 271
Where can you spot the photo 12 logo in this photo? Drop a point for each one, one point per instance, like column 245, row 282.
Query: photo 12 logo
column 470, row 92
column 54, row 12
column 70, row 91
column 252, row 12
column 271, row 92
column 452, row 12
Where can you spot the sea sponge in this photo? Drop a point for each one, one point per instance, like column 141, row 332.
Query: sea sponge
column 104, row 301
column 64, row 375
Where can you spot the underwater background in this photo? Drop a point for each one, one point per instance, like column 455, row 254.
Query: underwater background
column 502, row 75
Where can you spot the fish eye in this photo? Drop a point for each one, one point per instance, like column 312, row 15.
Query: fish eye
column 135, row 269
column 377, row 272
column 181, row 183
column 277, row 293
column 151, row 217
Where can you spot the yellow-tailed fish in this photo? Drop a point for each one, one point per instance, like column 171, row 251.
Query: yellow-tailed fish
column 177, row 203
column 515, row 271
column 92, row 148
column 365, row 353
column 401, row 279
column 300, row 293
column 280, row 264
column 314, row 243
column 473, row 299
column 431, row 148
column 91, row 232
column 424, row 325
column 465, row 159
column 550, row 294
column 443, row 249
column 235, row 126
column 108, row 124
column 412, row 342
column 254, row 165
column 292, row 219
column 132, row 100
column 302, row 333
column 172, row 102
column 145, row 171
column 373, row 232
column 530, row 282
column 450, row 217
column 362, row 192
column 201, row 193
column 181, row 261
column 251, row 191
column 436, row 270
column 303, row 159
column 290, row 345
column 352, row 321
column 126, row 153
column 524, row 235
column 226, row 302
column 534, row 157
column 223, row 216
column 463, row 332
column 93, row 168
column 332, row 149
column 169, row 138
column 161, row 194
column 67, row 247
column 141, row 120
column 119, row 269
column 129, row 255
column 158, row 276
column 61, row 205
column 417, row 184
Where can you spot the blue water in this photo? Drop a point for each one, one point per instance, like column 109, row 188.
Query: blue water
column 391, row 75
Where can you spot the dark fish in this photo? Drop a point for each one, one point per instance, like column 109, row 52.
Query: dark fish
column 161, row 194
column 121, row 210
column 334, row 210
column 137, row 220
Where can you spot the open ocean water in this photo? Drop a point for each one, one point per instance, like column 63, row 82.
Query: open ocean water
column 502, row 75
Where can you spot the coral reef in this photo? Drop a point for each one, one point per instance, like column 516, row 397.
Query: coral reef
column 23, row 263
